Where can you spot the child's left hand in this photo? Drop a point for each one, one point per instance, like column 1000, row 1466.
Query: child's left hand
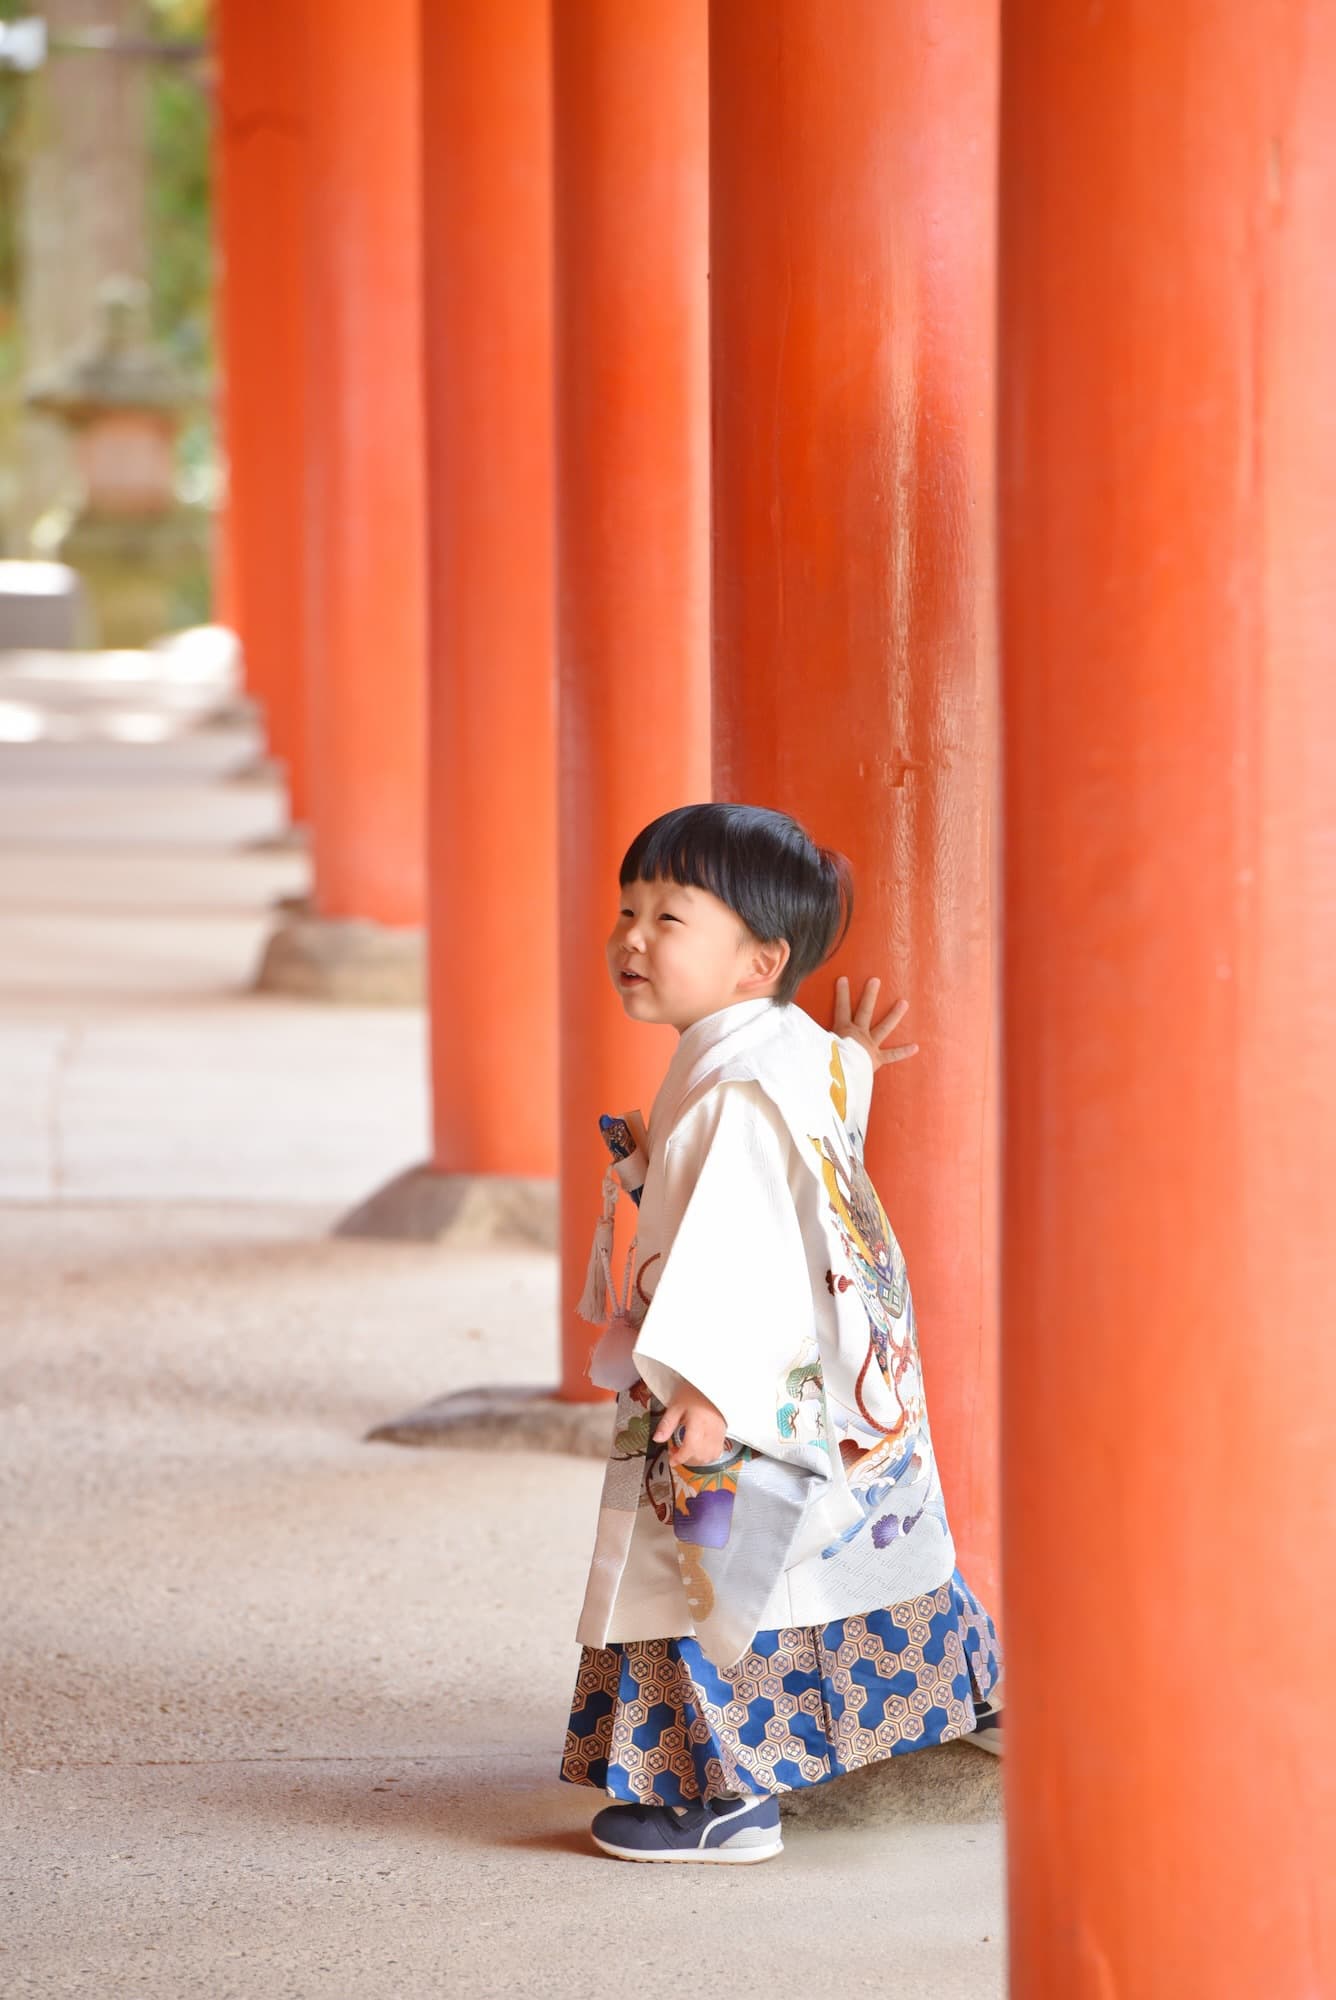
column 860, row 1026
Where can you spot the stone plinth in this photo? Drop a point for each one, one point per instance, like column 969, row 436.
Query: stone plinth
column 517, row 1417
column 470, row 1211
column 349, row 960
column 953, row 1784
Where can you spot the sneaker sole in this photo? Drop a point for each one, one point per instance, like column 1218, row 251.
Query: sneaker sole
column 736, row 1858
column 986, row 1739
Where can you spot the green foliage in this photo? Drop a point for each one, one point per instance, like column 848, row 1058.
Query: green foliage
column 179, row 222
column 11, row 113
column 180, row 17
column 180, row 248
column 181, row 229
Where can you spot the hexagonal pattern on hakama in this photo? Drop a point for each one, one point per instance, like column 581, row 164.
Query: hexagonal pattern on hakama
column 654, row 1720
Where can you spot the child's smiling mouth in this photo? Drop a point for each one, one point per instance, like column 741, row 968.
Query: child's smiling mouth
column 629, row 978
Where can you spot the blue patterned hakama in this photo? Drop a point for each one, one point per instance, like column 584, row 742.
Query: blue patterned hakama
column 654, row 1723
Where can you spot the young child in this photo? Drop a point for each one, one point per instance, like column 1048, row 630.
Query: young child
column 773, row 1599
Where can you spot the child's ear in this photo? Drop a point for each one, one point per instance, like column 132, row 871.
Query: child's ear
column 768, row 961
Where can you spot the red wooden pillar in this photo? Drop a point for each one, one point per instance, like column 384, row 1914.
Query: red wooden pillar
column 851, row 276
column 364, row 464
column 492, row 834
column 258, row 154
column 633, row 549
column 1168, row 372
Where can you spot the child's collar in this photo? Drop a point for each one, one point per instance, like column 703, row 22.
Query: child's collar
column 707, row 1043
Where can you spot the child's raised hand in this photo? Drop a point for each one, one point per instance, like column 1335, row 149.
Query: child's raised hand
column 860, row 1026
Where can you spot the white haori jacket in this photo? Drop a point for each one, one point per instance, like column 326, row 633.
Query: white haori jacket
column 767, row 1276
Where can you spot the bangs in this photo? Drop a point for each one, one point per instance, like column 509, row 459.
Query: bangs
column 690, row 847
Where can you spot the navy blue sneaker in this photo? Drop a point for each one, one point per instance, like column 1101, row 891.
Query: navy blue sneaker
column 987, row 1728
column 722, row 1830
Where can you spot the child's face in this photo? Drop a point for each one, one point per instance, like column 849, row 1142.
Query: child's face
column 678, row 954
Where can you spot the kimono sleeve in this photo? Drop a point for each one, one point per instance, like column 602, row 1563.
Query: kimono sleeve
column 859, row 1072
column 732, row 1307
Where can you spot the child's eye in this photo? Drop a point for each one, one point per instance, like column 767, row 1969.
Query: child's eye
column 666, row 919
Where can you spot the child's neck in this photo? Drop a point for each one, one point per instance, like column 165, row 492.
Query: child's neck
column 737, row 1000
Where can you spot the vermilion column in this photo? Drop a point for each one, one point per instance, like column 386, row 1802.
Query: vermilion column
column 364, row 462
column 493, row 877
column 633, row 552
column 258, row 153
column 1168, row 374
column 851, row 278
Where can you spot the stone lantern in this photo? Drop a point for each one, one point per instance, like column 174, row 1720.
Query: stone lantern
column 142, row 552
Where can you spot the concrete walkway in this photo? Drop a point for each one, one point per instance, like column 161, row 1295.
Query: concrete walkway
column 280, row 1709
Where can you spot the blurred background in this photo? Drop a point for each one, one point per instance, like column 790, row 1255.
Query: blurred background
column 435, row 438
column 105, row 208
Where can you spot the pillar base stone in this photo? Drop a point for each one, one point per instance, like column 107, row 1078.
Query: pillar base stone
column 524, row 1417
column 349, row 960
column 953, row 1785
column 259, row 771
column 294, row 838
column 468, row 1211
column 234, row 711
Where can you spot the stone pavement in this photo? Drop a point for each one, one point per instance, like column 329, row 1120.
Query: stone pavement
column 281, row 1709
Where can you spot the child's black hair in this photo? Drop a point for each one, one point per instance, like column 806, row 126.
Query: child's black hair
column 764, row 866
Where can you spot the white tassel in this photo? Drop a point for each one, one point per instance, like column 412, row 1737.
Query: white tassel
column 612, row 1364
column 595, row 1299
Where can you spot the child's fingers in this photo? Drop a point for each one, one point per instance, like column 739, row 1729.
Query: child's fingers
column 696, row 1448
column 669, row 1422
column 889, row 1022
column 689, row 1434
column 866, row 1002
column 897, row 1055
column 687, row 1439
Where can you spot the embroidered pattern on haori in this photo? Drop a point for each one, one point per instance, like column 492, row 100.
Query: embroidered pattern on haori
column 637, row 1414
column 876, row 1271
column 703, row 1497
column 699, row 1590
column 802, row 1413
column 755, row 1189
